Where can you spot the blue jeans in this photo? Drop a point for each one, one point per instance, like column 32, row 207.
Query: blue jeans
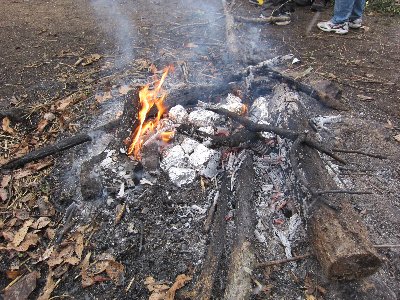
column 346, row 10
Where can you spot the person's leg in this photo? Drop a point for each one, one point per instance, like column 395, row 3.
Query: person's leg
column 342, row 11
column 358, row 9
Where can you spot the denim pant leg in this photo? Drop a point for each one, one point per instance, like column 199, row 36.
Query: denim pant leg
column 358, row 9
column 342, row 10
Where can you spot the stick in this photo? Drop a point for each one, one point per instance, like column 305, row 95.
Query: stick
column 387, row 246
column 343, row 192
column 47, row 151
column 283, row 261
column 380, row 156
column 271, row 19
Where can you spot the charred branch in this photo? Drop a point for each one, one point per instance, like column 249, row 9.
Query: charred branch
column 47, row 151
column 271, row 19
column 374, row 155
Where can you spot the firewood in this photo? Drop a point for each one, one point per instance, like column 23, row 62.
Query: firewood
column 242, row 259
column 47, row 151
column 339, row 238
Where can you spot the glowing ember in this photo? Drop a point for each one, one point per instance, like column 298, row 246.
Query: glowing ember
column 148, row 98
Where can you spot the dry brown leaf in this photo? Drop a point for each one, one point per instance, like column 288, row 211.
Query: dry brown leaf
column 180, row 282
column 22, row 288
column 79, row 244
column 86, row 280
column 115, row 271
column 91, row 59
column 6, row 126
column 45, row 207
column 97, row 267
column 62, row 104
column 57, row 257
column 397, row 138
column 12, row 274
column 120, row 212
column 72, row 260
column 50, row 233
column 158, row 290
column 21, row 151
column 31, row 239
column 42, row 124
column 5, row 181
column 21, row 214
column 48, row 288
column 47, row 253
column 21, row 233
column 41, row 223
column 7, row 235
column 23, row 173
column 3, row 194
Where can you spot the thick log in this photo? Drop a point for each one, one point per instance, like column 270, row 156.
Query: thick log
column 204, row 285
column 339, row 238
column 242, row 259
column 47, row 151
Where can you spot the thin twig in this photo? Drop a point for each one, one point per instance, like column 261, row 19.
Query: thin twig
column 283, row 261
column 387, row 246
column 380, row 156
column 343, row 192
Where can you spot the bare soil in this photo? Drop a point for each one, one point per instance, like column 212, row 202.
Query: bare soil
column 41, row 45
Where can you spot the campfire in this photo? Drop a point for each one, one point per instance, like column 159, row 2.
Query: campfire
column 149, row 98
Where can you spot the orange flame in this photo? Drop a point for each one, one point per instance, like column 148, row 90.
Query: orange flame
column 167, row 136
column 148, row 98
column 244, row 110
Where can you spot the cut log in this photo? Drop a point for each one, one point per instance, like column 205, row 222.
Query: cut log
column 339, row 238
column 47, row 151
column 242, row 259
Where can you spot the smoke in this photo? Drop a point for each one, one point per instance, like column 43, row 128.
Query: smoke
column 115, row 19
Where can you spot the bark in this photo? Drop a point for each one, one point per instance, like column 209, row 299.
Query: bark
column 339, row 238
column 242, row 259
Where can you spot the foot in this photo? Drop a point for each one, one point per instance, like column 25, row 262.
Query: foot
column 328, row 26
column 355, row 24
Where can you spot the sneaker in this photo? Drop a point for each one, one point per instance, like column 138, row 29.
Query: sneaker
column 328, row 26
column 355, row 24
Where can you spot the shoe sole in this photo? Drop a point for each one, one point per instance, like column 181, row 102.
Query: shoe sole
column 355, row 26
column 333, row 30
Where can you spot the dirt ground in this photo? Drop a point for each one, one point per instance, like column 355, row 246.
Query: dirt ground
column 51, row 50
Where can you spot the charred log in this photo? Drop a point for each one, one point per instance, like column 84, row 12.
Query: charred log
column 47, row 151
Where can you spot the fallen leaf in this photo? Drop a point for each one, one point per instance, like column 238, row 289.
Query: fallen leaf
column 91, row 59
column 6, row 126
column 158, row 290
column 22, row 288
column 21, row 214
column 72, row 260
column 79, row 245
column 50, row 233
column 3, row 194
column 41, row 223
column 397, row 138
column 31, row 239
column 42, row 124
column 12, row 274
column 20, row 235
column 180, row 282
column 86, row 279
column 48, row 288
column 120, row 212
column 45, row 207
column 23, row 173
column 5, row 181
column 115, row 271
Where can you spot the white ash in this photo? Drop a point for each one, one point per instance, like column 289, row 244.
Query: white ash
column 232, row 103
column 203, row 118
column 207, row 129
column 108, row 160
column 178, row 114
column 205, row 160
column 188, row 145
column 181, row 176
column 259, row 110
column 174, row 157
column 321, row 121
